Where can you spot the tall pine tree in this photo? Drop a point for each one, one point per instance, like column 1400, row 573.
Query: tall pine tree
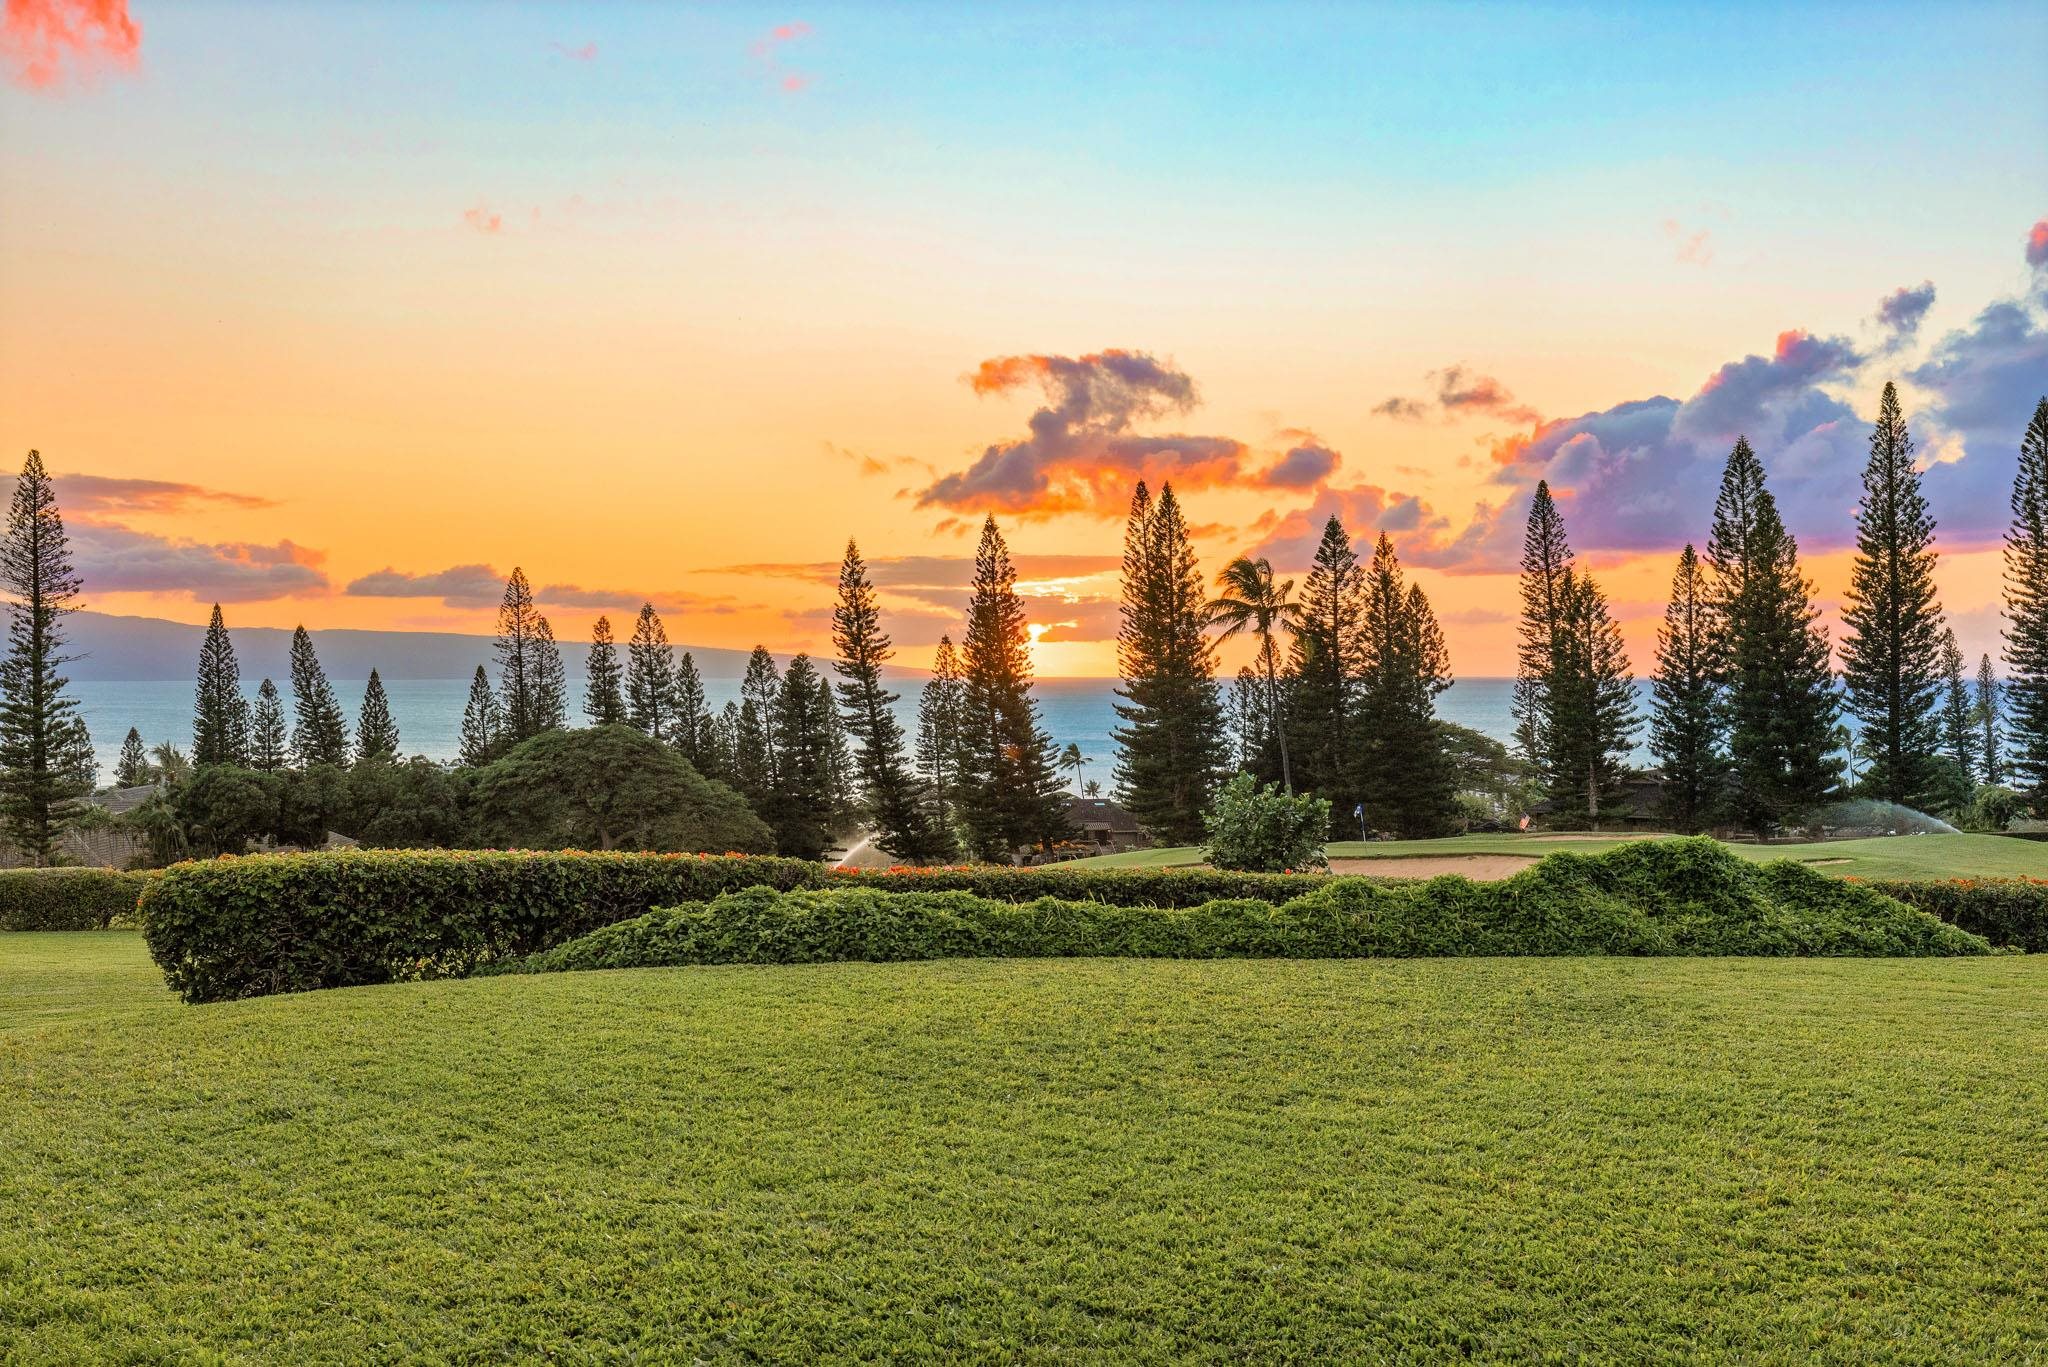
column 1588, row 700
column 1326, row 661
column 1546, row 555
column 376, row 732
column 1771, row 655
column 1985, row 716
column 760, row 686
column 800, row 806
column 653, row 701
column 1957, row 716
column 220, row 715
column 530, row 688
column 1010, row 792
column 604, row 700
column 1685, row 721
column 1408, row 784
column 40, row 729
column 551, row 680
column 938, row 744
column 483, row 723
column 133, row 770
column 1891, row 659
column 892, row 805
column 1170, row 751
column 693, row 715
column 269, row 749
column 321, row 735
column 2026, row 610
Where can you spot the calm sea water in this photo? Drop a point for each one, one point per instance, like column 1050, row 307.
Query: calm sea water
column 429, row 712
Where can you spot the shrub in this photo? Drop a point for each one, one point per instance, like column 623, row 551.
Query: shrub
column 67, row 899
column 243, row 927
column 2005, row 911
column 1125, row 887
column 1263, row 829
column 608, row 787
column 1680, row 897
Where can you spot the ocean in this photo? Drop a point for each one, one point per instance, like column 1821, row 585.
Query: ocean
column 429, row 712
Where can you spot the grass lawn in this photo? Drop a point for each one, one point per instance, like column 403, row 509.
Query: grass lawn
column 1636, row 1159
column 1906, row 856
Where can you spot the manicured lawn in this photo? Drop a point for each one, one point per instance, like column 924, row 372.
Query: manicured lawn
column 1906, row 856
column 1630, row 1159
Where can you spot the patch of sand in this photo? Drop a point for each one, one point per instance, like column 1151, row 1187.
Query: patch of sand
column 1481, row 868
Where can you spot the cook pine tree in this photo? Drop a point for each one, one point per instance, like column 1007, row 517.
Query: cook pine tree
column 269, row 744
column 800, row 804
column 1546, row 555
column 1957, row 714
column 2026, row 611
column 132, row 769
column 1011, row 796
column 1891, row 656
column 1779, row 705
column 1589, row 711
column 693, row 715
column 1685, row 718
column 530, row 688
column 892, row 803
column 44, row 748
column 1170, row 746
column 1408, row 785
column 604, row 697
column 320, row 735
column 376, row 732
column 220, row 715
column 482, row 723
column 653, row 698
column 938, row 744
column 1984, row 715
column 1324, row 664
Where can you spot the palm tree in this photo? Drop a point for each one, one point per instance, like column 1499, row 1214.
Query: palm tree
column 1072, row 758
column 1251, row 601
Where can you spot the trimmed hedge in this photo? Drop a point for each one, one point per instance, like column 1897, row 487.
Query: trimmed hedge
column 244, row 927
column 1681, row 897
column 1121, row 887
column 2005, row 911
column 68, row 898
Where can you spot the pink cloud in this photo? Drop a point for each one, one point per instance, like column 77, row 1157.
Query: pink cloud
column 585, row 53
column 766, row 53
column 484, row 220
column 40, row 37
column 1695, row 248
column 2037, row 244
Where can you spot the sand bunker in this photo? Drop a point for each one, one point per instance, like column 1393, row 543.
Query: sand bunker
column 1481, row 868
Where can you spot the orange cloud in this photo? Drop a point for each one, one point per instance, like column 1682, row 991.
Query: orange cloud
column 484, row 220
column 39, row 37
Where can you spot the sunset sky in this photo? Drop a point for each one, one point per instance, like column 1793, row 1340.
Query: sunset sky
column 336, row 312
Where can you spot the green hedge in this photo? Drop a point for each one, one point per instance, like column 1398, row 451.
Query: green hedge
column 1121, row 887
column 67, row 898
column 1680, row 897
column 2005, row 911
column 226, row 928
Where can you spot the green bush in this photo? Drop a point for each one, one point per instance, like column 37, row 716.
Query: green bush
column 1263, row 830
column 2005, row 911
column 68, row 898
column 243, row 927
column 1680, row 897
column 1124, row 887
